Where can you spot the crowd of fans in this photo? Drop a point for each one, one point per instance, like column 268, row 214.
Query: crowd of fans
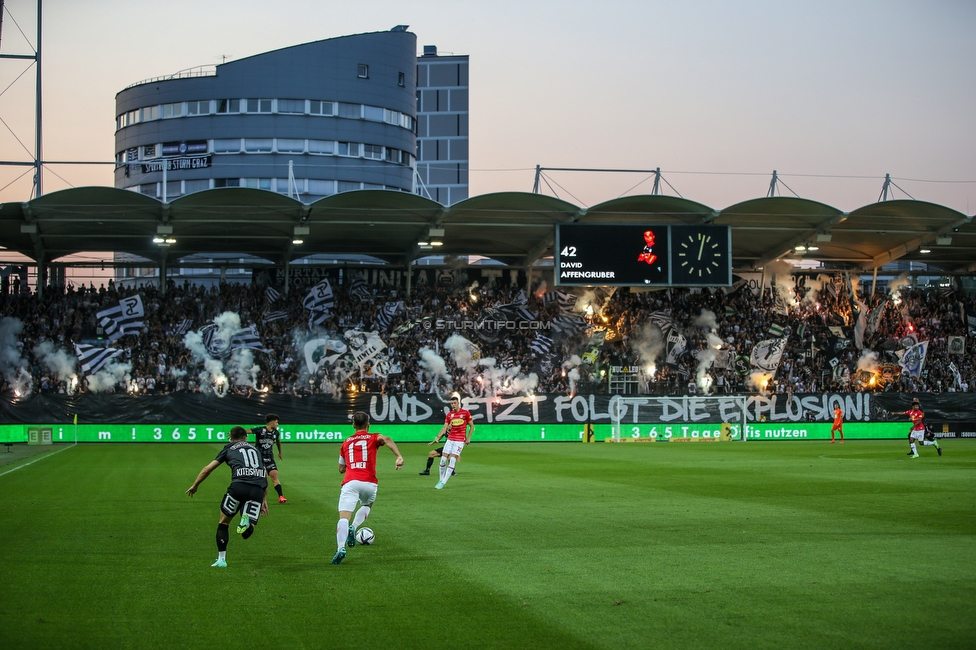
column 625, row 332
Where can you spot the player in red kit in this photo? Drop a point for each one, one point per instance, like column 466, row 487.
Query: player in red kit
column 357, row 460
column 459, row 428
column 919, row 431
column 838, row 425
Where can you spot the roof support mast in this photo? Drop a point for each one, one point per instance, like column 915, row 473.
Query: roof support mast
column 36, row 57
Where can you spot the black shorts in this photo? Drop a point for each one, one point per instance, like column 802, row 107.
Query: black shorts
column 440, row 451
column 245, row 498
column 269, row 464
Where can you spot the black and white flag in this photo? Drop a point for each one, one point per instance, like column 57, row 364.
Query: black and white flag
column 565, row 300
column 183, row 327
column 319, row 302
column 270, row 295
column 246, row 337
column 387, row 312
column 93, row 359
column 125, row 318
column 569, row 324
column 541, row 344
column 358, row 288
column 269, row 316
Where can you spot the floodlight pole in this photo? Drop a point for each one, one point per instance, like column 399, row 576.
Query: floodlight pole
column 772, row 185
column 538, row 173
column 884, row 188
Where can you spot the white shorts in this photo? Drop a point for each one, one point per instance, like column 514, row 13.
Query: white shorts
column 917, row 434
column 355, row 492
column 453, row 448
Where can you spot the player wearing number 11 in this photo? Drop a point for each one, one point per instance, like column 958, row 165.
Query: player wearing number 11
column 357, row 461
column 248, row 491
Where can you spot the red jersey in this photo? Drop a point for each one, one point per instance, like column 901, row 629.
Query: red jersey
column 359, row 452
column 458, row 421
column 838, row 416
column 916, row 416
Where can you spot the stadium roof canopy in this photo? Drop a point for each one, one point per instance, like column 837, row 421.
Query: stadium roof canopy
column 513, row 227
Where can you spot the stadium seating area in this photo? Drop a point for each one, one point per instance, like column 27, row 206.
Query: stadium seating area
column 549, row 335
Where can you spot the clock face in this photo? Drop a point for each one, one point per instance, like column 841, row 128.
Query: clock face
column 701, row 255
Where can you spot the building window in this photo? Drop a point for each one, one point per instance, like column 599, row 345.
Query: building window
column 392, row 155
column 349, row 149
column 373, row 113
column 400, row 79
column 150, row 113
column 363, row 71
column 287, row 145
column 196, row 185
column 149, row 151
column 321, row 188
column 259, row 106
column 198, row 108
column 227, row 182
column 132, row 154
column 316, row 107
column 257, row 145
column 281, row 185
column 349, row 186
column 291, row 106
column 321, row 147
column 172, row 110
column 257, row 183
column 373, row 151
column 227, row 146
column 228, row 106
column 352, row 111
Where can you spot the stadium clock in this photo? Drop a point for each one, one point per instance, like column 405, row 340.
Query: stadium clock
column 700, row 256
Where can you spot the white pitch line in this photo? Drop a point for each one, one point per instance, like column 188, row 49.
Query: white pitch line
column 36, row 460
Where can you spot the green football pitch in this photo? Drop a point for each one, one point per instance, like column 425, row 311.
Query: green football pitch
column 549, row 545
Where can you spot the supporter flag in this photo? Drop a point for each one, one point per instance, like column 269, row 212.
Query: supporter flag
column 801, row 330
column 913, row 360
column 737, row 283
column 776, row 330
column 270, row 295
column 387, row 312
column 269, row 316
column 662, row 319
column 541, row 344
column 516, row 311
column 246, row 337
column 125, row 318
column 569, row 324
column 780, row 306
column 363, row 346
column 358, row 288
column 593, row 347
column 220, row 347
column 565, row 300
column 874, row 318
column 319, row 302
column 730, row 312
column 676, row 345
column 323, row 351
column 404, row 328
column 183, row 327
column 93, row 359
column 956, row 374
column 767, row 354
column 957, row 344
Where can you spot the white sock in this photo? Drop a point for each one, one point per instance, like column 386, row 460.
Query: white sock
column 221, row 555
column 914, row 448
column 442, row 468
column 342, row 531
column 927, row 443
column 449, row 471
column 360, row 517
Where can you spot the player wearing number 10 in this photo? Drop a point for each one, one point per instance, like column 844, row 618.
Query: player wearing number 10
column 247, row 493
column 357, row 460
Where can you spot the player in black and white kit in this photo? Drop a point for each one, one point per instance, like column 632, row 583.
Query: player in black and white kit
column 247, row 493
column 266, row 438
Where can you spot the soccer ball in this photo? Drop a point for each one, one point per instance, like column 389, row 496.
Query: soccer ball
column 365, row 536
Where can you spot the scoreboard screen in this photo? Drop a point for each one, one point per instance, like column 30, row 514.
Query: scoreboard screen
column 591, row 254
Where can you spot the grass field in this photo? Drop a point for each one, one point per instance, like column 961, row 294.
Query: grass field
column 555, row 545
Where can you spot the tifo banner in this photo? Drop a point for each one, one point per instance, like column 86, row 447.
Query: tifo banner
column 415, row 408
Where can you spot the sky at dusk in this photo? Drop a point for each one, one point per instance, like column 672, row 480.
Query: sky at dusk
column 832, row 95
